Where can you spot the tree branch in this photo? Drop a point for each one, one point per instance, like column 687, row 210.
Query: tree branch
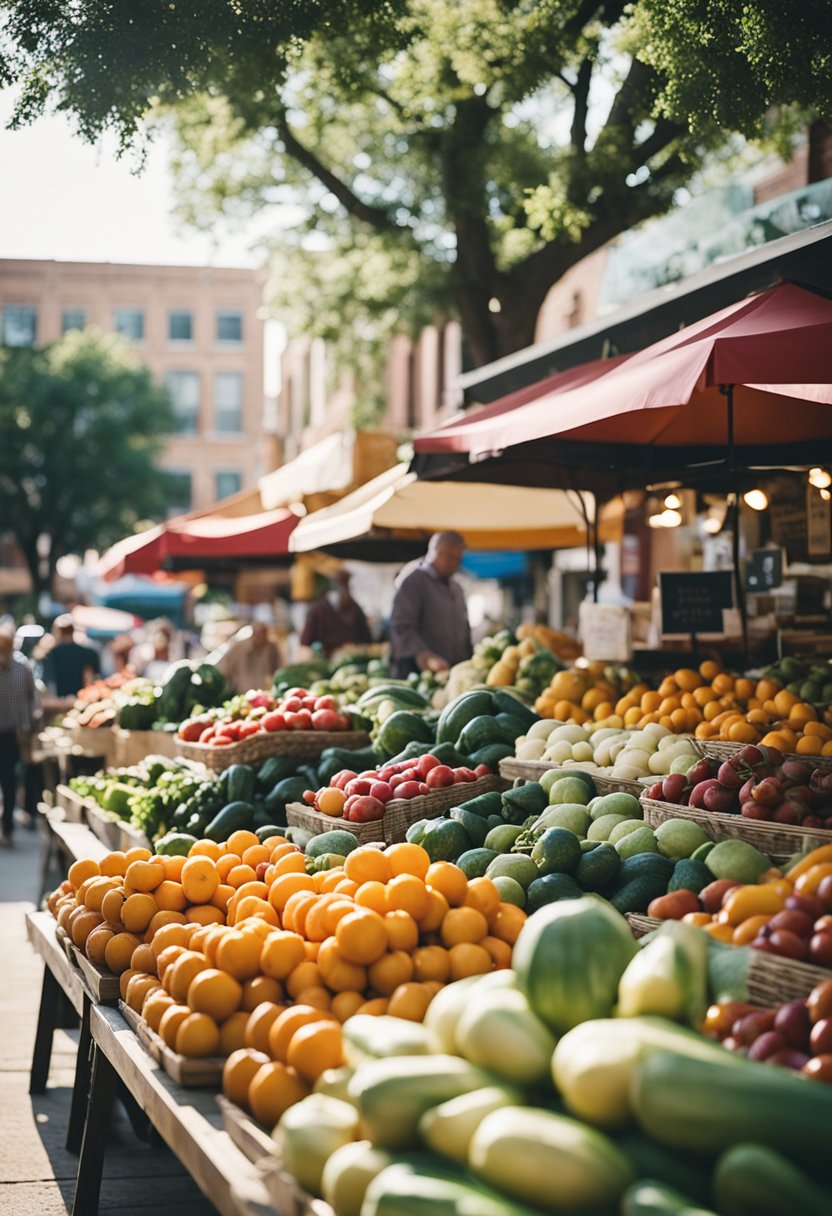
column 378, row 217
column 662, row 134
column 621, row 110
column 580, row 92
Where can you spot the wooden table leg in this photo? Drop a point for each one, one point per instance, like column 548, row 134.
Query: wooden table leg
column 99, row 1111
column 50, row 1002
column 81, row 1088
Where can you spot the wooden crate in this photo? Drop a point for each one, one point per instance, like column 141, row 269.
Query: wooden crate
column 98, row 742
column 779, row 841
column 71, row 804
column 131, row 746
column 190, row 1074
column 251, row 1138
column 533, row 770
column 399, row 813
column 101, row 984
column 106, row 827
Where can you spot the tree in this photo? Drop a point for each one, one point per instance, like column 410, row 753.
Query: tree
column 469, row 150
column 81, row 426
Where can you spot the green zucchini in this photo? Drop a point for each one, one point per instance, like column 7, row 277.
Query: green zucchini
column 475, row 827
column 240, row 780
column 460, row 712
column 175, row 844
column 269, row 829
column 705, row 1106
column 484, row 804
column 649, row 1198
column 491, row 755
column 274, row 769
column 481, row 731
column 640, row 880
column 524, row 800
column 691, row 1175
column 232, row 818
column 404, row 1190
column 507, row 703
column 751, row 1180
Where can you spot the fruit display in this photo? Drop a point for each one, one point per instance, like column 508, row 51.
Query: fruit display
column 756, row 783
column 526, row 660
column 258, row 712
column 589, row 692
column 626, row 755
column 523, row 1094
column 789, row 915
column 811, row 682
column 796, row 1035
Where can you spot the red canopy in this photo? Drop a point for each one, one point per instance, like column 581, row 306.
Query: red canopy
column 776, row 348
column 206, row 538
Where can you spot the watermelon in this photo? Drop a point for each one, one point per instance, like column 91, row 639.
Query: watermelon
column 568, row 959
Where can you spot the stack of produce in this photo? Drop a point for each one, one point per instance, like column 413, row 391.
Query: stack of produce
column 148, row 795
column 589, row 692
column 796, row 1035
column 789, row 914
column 98, row 704
column 257, row 712
column 756, row 783
column 622, row 755
column 526, row 661
column 186, row 687
column 522, row 1095
column 811, row 682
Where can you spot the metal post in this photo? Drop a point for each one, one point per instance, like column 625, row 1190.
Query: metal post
column 739, row 592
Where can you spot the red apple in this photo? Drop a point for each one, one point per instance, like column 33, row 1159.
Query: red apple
column 792, row 1021
column 766, row 1045
column 750, row 1026
column 728, row 776
column 786, row 812
column 656, row 792
column 753, row 810
column 720, row 798
column 751, row 755
column 324, row 719
column 794, row 922
column 673, row 786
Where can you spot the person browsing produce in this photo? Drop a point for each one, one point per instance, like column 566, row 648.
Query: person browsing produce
column 429, row 628
column 18, row 708
column 336, row 620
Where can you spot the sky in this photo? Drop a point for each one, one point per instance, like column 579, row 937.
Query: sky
column 66, row 199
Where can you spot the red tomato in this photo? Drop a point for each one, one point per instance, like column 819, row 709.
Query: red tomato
column 192, row 729
column 426, row 763
column 249, row 728
column 296, row 692
column 482, row 770
column 344, row 722
column 326, row 703
column 272, row 721
column 308, row 703
column 325, row 719
column 220, row 741
column 208, row 734
column 440, row 777
column 302, row 720
column 290, row 705
column 232, row 729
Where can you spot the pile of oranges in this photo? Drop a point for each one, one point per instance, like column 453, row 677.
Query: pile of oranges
column 264, row 970
column 709, row 703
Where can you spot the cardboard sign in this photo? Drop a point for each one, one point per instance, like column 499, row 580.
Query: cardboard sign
column 764, row 570
column 693, row 603
column 605, row 630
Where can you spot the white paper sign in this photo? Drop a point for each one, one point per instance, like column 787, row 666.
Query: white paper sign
column 606, row 632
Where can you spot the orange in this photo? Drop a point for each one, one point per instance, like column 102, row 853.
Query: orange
column 784, row 701
column 405, row 858
column 463, row 925
column 113, row 865
column 374, row 1008
column 297, row 906
column 137, row 912
column 500, row 951
column 744, row 689
column 241, row 840
column 159, row 920
column 366, row 864
column 272, row 1090
column 327, row 880
column 256, row 853
column 82, row 869
column 402, row 931
column 285, row 1025
column 198, row 1036
column 282, row 848
column 96, row 944
column 802, row 713
column 305, row 975
column 807, row 745
column 687, row 679
column 238, row 953
column 722, row 683
column 261, row 988
column 743, row 732
column 436, row 912
column 143, row 959
column 260, row 1023
column 345, row 1004
column 709, row 669
column 372, row 895
column 199, row 879
column 467, row 958
column 280, row 953
column 409, row 1001
column 315, row 1048
column 119, row 951
column 167, row 957
column 221, row 896
column 137, row 854
column 144, row 875
column 173, row 867
column 111, row 906
column 361, row 936
column 407, row 893
column 233, row 1032
column 171, row 1020
column 331, row 800
column 703, row 695
column 314, row 929
column 124, row 982
column 449, row 880
column 225, row 864
column 288, row 884
column 251, row 907
column 432, row 963
column 346, row 887
column 95, row 892
column 292, row 862
column 338, row 972
column 238, row 1072
column 156, row 1004
column 238, row 875
column 170, row 896
column 392, row 969
column 507, row 923
column 482, row 895
column 177, row 978
column 216, row 993
column 650, row 702
column 204, row 914
column 205, row 848
column 139, row 988
column 818, row 730
column 81, row 925
column 318, row 997
column 337, row 910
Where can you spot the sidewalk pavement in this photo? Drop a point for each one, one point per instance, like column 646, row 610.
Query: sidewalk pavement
column 37, row 1174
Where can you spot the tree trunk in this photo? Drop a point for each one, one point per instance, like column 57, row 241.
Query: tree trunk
column 39, row 583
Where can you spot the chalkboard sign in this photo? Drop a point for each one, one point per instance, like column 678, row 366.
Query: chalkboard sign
column 693, row 603
column 764, row 570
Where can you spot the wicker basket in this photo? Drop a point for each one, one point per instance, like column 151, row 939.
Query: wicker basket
column 779, row 841
column 533, row 770
column 641, row 925
column 399, row 813
column 304, row 744
column 724, row 751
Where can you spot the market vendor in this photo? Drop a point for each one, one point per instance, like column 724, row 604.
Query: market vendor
column 336, row 620
column 429, row 628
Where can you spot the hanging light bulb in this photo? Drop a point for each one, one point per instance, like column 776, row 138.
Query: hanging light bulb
column 757, row 500
column 820, row 478
column 665, row 519
column 712, row 525
column 673, row 501
column 826, row 495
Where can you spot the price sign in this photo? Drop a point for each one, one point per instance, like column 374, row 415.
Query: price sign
column 764, row 570
column 605, row 632
column 693, row 603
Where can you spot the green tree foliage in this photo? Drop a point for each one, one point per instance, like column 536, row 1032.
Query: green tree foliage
column 81, row 427
column 427, row 157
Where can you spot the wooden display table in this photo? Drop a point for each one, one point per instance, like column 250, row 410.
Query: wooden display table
column 189, row 1121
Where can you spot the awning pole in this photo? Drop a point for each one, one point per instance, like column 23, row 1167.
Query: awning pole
column 728, row 392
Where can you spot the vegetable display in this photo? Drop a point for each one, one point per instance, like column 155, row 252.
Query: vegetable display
column 256, row 712
column 796, row 1035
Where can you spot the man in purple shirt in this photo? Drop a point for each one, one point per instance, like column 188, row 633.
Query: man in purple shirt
column 429, row 628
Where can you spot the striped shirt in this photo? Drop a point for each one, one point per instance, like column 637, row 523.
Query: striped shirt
column 17, row 696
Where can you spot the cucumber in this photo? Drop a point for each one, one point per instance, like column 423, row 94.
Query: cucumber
column 507, row 703
column 491, row 755
column 446, row 841
column 460, row 712
column 648, row 1198
column 598, row 868
column 704, row 1106
column 446, row 753
column 751, row 1180
column 434, row 1190
column 269, row 829
column 240, row 780
column 480, row 732
column 290, row 789
column 690, row 1175
column 484, row 804
column 275, row 769
column 336, row 841
column 232, row 818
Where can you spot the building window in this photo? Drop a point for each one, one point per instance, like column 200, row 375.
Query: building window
column 180, row 326
column 73, row 318
column 228, row 402
column 20, row 325
column 179, row 491
column 229, row 326
column 226, row 483
column 130, row 323
column 184, row 393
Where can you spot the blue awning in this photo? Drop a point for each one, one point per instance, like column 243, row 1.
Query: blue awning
column 500, row 564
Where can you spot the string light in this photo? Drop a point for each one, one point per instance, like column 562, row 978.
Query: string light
column 712, row 525
column 665, row 519
column 826, row 494
column 757, row 500
column 820, row 478
column 673, row 501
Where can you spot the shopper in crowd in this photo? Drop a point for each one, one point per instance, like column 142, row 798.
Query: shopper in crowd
column 151, row 659
column 68, row 666
column 336, row 620
column 117, row 655
column 429, row 628
column 251, row 659
column 18, row 710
